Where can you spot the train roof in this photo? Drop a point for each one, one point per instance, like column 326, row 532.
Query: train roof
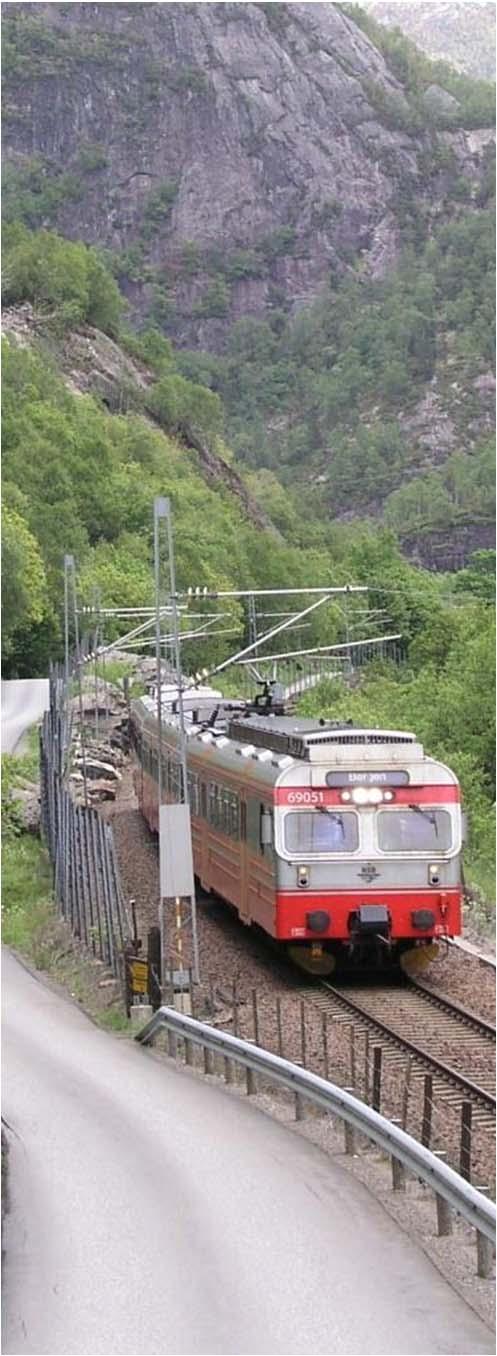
column 298, row 737
column 274, row 747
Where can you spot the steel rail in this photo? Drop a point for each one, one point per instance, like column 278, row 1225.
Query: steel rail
column 454, row 1009
column 450, row 1074
column 422, row 1163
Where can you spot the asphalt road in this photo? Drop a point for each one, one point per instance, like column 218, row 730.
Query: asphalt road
column 23, row 702
column 151, row 1212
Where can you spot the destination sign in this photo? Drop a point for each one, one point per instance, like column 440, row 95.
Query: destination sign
column 392, row 777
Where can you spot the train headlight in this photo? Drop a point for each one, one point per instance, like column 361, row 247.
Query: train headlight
column 345, row 795
column 370, row 795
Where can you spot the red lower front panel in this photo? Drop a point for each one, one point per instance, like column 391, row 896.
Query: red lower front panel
column 292, row 908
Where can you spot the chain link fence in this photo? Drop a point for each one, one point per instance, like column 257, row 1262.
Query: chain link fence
column 80, row 844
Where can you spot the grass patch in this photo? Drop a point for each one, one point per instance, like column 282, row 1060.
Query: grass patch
column 27, row 906
column 31, row 926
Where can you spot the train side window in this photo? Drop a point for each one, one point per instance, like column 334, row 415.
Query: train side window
column 193, row 796
column 265, row 830
column 203, row 800
column 213, row 804
column 226, row 811
column 243, row 821
column 235, row 816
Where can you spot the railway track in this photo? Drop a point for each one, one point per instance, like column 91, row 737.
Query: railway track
column 442, row 1038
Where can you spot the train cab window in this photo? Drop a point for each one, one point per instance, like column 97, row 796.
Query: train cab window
column 308, row 831
column 414, row 830
column 154, row 765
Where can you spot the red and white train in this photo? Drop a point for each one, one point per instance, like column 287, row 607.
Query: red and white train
column 331, row 839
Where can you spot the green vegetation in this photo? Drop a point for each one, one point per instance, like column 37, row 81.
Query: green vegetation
column 157, row 208
column 33, row 192
column 322, row 392
column 474, row 104
column 67, row 279
column 319, row 394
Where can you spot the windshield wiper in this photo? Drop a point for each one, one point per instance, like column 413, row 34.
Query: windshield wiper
column 322, row 810
column 418, row 809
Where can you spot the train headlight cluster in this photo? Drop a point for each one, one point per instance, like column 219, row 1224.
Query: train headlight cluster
column 367, row 795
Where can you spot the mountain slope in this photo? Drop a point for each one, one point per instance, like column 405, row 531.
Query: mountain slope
column 230, row 156
column 461, row 31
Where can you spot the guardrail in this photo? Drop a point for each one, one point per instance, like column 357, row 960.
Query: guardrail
column 452, row 1192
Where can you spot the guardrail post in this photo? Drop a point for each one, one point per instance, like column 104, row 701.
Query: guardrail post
column 299, row 1107
column 484, row 1256
column 189, row 1056
column 398, row 1169
column 228, row 1070
column 444, row 1217
column 349, row 1131
column 251, row 1083
column 398, row 1175
column 207, row 1060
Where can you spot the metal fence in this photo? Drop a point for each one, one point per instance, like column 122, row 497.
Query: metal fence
column 452, row 1192
column 80, row 844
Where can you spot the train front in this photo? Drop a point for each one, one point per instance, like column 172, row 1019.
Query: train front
column 368, row 834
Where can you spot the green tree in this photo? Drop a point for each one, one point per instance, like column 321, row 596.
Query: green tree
column 24, row 584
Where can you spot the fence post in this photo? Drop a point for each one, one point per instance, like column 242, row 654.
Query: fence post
column 366, row 1066
column 406, row 1091
column 279, row 1028
column 97, row 876
column 427, row 1110
column 326, row 1066
column 353, row 1079
column 82, row 875
column 256, row 1016
column 465, row 1151
column 377, row 1058
column 302, row 1034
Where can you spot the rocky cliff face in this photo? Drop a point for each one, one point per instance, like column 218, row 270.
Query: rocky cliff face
column 231, row 156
